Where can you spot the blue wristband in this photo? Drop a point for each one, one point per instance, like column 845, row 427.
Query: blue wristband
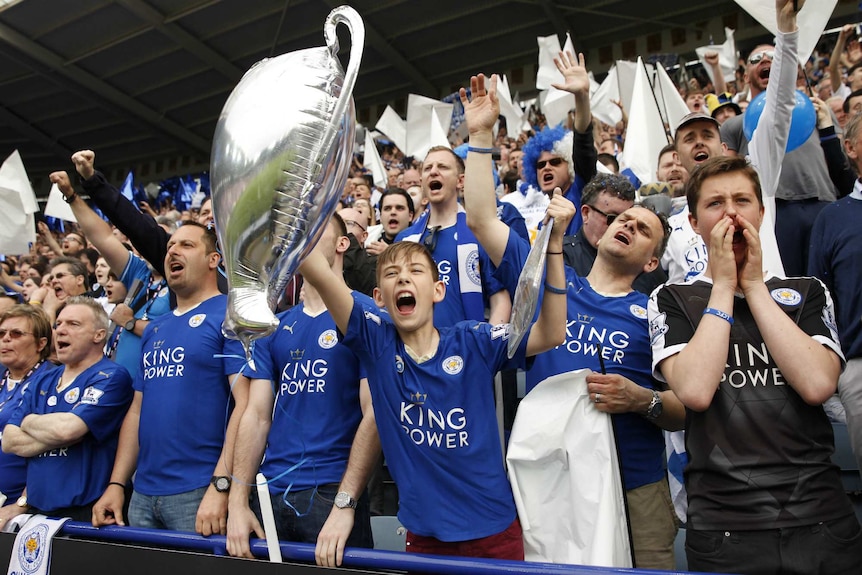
column 480, row 150
column 718, row 313
column 556, row 290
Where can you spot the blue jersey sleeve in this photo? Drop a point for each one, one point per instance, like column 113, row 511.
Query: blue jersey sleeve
column 263, row 362
column 368, row 332
column 104, row 401
column 234, row 357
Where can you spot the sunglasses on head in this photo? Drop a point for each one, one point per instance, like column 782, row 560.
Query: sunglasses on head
column 756, row 58
column 553, row 161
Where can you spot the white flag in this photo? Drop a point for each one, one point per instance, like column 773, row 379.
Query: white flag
column 645, row 136
column 726, row 57
column 673, row 106
column 811, row 20
column 547, row 74
column 57, row 206
column 600, row 102
column 373, row 162
column 13, row 177
column 391, row 124
column 421, row 111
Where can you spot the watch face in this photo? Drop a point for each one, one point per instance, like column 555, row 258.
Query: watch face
column 343, row 500
column 222, row 484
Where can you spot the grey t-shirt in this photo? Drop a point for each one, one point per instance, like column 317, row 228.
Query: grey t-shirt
column 803, row 173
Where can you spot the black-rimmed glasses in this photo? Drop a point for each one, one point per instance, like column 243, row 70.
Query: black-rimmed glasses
column 609, row 217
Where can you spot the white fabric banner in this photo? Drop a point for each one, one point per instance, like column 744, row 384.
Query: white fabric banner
column 391, row 125
column 373, row 162
column 811, row 20
column 726, row 57
column 561, row 445
column 600, row 100
column 645, row 134
column 57, row 206
column 31, row 554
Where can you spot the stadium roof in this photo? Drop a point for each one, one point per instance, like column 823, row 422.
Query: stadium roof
column 142, row 82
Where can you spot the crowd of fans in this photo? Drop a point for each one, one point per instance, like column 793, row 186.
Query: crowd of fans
column 117, row 377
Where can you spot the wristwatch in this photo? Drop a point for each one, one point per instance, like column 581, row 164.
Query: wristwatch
column 22, row 501
column 221, row 483
column 343, row 500
column 655, row 407
column 130, row 325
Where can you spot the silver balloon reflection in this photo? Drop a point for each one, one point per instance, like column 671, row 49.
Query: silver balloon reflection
column 526, row 298
column 281, row 153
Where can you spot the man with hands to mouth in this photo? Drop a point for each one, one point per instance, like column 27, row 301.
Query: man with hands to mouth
column 753, row 358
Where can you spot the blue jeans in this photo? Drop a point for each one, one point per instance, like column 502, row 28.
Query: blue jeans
column 314, row 509
column 175, row 512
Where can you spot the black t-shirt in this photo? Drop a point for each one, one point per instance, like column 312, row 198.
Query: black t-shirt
column 759, row 456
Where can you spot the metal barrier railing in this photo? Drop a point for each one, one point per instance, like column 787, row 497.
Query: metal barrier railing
column 353, row 557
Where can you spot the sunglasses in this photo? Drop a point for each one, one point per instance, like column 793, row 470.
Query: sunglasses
column 553, row 161
column 61, row 275
column 430, row 241
column 756, row 58
column 13, row 333
column 609, row 217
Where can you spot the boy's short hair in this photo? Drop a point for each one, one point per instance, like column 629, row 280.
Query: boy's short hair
column 404, row 250
column 716, row 167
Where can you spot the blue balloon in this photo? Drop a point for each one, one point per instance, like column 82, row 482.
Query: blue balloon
column 802, row 122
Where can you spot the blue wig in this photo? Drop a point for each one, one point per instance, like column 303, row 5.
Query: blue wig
column 558, row 141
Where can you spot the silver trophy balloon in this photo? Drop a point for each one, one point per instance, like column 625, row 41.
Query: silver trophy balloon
column 281, row 153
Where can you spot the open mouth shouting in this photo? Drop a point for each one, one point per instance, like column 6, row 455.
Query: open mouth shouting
column 622, row 237
column 405, row 302
column 435, row 186
column 175, row 268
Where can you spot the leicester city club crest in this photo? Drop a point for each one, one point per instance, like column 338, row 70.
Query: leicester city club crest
column 786, row 296
column 327, row 339
column 453, row 364
column 32, row 548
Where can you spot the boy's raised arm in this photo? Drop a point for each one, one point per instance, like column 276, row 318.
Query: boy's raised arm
column 335, row 293
column 550, row 328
